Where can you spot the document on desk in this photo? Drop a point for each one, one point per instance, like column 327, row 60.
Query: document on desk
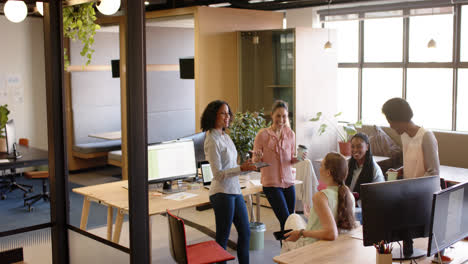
column 180, row 196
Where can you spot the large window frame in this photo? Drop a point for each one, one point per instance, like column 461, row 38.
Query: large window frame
column 405, row 64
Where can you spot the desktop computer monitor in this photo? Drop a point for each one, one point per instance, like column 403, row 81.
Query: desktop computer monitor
column 10, row 134
column 170, row 161
column 449, row 221
column 398, row 210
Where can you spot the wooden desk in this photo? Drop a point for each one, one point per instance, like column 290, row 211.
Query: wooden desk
column 114, row 195
column 347, row 249
column 453, row 174
column 114, row 135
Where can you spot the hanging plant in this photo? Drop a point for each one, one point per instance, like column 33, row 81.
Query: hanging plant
column 78, row 23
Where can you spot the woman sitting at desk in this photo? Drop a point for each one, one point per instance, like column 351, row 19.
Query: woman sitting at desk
column 362, row 167
column 333, row 207
column 225, row 192
column 275, row 145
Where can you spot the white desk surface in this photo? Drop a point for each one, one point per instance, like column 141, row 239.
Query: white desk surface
column 114, row 135
column 376, row 158
column 453, row 174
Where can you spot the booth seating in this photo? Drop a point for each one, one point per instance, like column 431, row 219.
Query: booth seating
column 95, row 149
column 115, row 158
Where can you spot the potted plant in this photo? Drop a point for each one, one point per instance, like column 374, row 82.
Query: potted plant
column 78, row 23
column 243, row 130
column 3, row 120
column 345, row 131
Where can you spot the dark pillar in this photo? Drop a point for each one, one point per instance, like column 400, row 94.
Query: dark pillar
column 58, row 167
column 137, row 138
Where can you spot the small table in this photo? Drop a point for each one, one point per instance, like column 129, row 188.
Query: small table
column 114, row 135
column 453, row 175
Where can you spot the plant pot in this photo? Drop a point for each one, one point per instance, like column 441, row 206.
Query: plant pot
column 345, row 148
column 3, row 145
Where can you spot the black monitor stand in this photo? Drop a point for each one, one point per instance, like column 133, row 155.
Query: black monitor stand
column 167, row 188
column 408, row 251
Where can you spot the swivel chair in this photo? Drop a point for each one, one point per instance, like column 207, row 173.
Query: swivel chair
column 8, row 185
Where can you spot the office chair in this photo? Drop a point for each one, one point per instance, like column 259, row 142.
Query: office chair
column 10, row 184
column 43, row 175
column 204, row 252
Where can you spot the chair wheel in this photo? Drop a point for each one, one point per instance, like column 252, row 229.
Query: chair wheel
column 25, row 195
column 3, row 197
column 30, row 209
column 31, row 190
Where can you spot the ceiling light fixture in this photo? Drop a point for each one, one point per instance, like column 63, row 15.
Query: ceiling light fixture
column 328, row 45
column 108, row 7
column 432, row 43
column 15, row 11
column 40, row 8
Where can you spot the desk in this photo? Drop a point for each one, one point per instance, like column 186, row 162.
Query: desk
column 30, row 157
column 114, row 195
column 453, row 174
column 114, row 135
column 347, row 249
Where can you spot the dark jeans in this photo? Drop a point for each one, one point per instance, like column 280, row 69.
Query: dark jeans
column 228, row 209
column 282, row 200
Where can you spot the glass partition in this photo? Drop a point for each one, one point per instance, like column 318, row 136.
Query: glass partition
column 267, row 70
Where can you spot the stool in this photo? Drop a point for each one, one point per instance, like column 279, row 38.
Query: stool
column 43, row 175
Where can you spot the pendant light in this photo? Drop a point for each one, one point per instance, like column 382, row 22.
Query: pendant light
column 328, row 45
column 15, row 11
column 108, row 7
column 432, row 43
column 40, row 8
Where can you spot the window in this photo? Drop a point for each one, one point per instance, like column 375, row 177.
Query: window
column 348, row 94
column 383, row 40
column 347, row 33
column 430, row 96
column 424, row 28
column 462, row 104
column 379, row 85
column 464, row 34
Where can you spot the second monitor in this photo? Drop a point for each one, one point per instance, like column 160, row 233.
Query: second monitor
column 173, row 160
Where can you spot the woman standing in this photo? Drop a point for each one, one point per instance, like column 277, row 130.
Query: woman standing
column 225, row 193
column 275, row 145
column 333, row 207
column 362, row 167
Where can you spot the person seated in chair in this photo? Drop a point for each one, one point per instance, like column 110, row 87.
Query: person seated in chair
column 362, row 167
column 333, row 207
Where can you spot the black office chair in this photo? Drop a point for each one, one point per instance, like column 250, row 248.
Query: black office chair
column 8, row 185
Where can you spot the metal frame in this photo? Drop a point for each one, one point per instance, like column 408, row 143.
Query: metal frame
column 455, row 64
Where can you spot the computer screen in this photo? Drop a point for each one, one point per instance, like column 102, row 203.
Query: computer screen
column 398, row 210
column 10, row 135
column 449, row 218
column 171, row 161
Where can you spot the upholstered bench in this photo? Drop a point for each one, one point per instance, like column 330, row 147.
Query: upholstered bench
column 95, row 149
column 115, row 158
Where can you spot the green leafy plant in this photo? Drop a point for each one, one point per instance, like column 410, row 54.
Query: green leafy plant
column 3, row 119
column 243, row 130
column 78, row 23
column 344, row 132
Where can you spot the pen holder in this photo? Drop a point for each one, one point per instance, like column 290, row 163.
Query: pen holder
column 383, row 258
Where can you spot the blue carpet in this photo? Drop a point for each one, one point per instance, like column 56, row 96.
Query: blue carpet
column 13, row 213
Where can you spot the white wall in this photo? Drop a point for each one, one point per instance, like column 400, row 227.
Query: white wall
column 22, row 56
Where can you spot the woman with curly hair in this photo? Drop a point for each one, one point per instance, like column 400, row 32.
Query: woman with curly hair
column 225, row 192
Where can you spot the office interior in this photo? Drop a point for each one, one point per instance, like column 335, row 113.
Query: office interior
column 236, row 60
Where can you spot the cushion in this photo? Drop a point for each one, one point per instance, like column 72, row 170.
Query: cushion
column 94, row 147
column 207, row 252
column 115, row 155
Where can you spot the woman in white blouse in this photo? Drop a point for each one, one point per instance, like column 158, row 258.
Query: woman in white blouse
column 225, row 192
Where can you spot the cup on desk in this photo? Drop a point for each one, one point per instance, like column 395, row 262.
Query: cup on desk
column 301, row 149
column 392, row 175
column 383, row 258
